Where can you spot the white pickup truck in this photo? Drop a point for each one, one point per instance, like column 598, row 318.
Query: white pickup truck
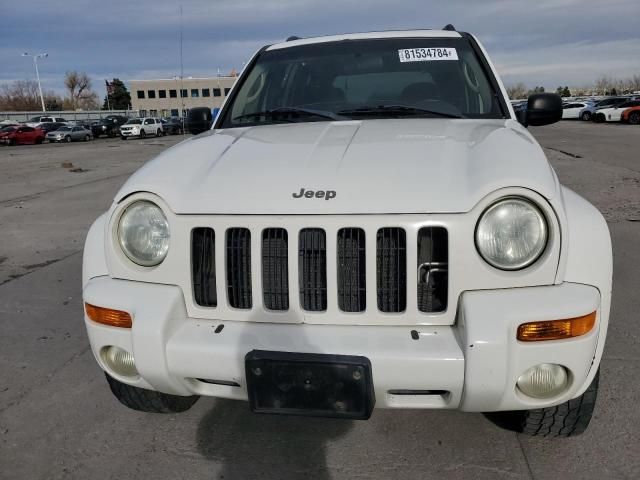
column 367, row 224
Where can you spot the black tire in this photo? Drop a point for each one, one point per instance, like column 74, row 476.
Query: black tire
column 148, row 400
column 12, row 142
column 634, row 118
column 87, row 138
column 586, row 116
column 67, row 139
column 122, row 137
column 39, row 140
column 158, row 133
column 142, row 133
column 565, row 420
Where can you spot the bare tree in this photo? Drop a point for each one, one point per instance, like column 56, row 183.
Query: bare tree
column 81, row 95
column 23, row 95
column 517, row 91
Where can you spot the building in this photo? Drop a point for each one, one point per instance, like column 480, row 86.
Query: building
column 174, row 97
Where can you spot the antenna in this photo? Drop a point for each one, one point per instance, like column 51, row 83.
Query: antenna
column 181, row 66
column 292, row 38
column 449, row 28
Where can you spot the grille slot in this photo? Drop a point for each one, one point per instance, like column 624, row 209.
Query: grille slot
column 275, row 269
column 312, row 266
column 351, row 270
column 391, row 271
column 239, row 268
column 433, row 269
column 203, row 266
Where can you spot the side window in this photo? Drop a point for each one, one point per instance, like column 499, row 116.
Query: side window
column 147, row 121
column 26, row 129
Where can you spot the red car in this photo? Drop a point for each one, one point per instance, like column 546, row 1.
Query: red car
column 21, row 135
column 631, row 115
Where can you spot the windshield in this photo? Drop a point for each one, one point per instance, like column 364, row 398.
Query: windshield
column 361, row 79
column 135, row 121
column 8, row 129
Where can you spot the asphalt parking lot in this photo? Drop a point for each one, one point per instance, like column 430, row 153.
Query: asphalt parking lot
column 59, row 420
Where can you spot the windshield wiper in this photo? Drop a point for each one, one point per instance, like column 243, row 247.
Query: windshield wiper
column 397, row 110
column 280, row 111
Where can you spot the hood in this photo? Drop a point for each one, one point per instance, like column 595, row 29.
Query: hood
column 369, row 166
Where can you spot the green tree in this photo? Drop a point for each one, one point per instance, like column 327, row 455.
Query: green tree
column 566, row 92
column 119, row 99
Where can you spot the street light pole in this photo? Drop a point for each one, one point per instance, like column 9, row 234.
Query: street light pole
column 35, row 63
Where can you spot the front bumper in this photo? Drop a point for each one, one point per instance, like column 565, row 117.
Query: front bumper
column 130, row 133
column 475, row 362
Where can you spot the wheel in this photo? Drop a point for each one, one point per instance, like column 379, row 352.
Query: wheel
column 147, row 400
column 634, row 118
column 158, row 133
column 586, row 116
column 122, row 137
column 39, row 140
column 87, row 138
column 565, row 420
column 12, row 142
column 67, row 139
column 143, row 134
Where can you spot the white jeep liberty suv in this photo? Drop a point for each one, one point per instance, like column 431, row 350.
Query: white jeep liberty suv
column 366, row 224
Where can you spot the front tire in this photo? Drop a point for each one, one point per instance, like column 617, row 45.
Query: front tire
column 148, row 400
column 87, row 138
column 143, row 134
column 586, row 116
column 634, row 118
column 158, row 133
column 67, row 139
column 122, row 137
column 568, row 419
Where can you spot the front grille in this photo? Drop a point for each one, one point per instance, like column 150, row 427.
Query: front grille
column 275, row 269
column 239, row 268
column 312, row 264
column 391, row 261
column 352, row 288
column 203, row 266
column 433, row 269
column 346, row 259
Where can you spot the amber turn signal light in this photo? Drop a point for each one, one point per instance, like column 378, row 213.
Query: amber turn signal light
column 556, row 329
column 108, row 316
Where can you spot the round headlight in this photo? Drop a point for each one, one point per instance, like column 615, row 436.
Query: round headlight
column 143, row 232
column 511, row 234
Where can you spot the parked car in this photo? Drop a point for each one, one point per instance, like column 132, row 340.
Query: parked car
column 614, row 113
column 578, row 110
column 21, row 135
column 381, row 234
column 51, row 126
column 173, row 126
column 631, row 115
column 37, row 121
column 109, row 126
column 69, row 134
column 141, row 127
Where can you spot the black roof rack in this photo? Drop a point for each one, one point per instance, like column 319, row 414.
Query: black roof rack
column 449, row 28
column 292, row 38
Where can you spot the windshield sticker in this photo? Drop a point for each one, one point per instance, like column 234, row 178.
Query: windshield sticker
column 427, row 54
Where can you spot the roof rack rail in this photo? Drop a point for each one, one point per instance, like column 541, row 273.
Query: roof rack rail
column 449, row 28
column 292, row 38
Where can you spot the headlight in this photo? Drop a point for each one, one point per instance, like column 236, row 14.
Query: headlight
column 511, row 234
column 143, row 232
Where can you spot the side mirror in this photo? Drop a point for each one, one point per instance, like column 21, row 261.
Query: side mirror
column 199, row 120
column 543, row 109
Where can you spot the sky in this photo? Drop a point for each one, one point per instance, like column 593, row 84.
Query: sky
column 542, row 42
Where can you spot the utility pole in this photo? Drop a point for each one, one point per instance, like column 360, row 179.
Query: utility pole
column 35, row 63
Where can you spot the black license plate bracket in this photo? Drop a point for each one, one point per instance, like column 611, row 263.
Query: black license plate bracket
column 311, row 384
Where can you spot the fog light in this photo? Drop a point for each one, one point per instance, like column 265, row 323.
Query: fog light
column 119, row 360
column 543, row 381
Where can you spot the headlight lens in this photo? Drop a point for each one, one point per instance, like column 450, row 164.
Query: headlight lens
column 143, row 232
column 511, row 234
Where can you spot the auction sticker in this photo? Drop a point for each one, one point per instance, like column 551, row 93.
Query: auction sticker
column 427, row 54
